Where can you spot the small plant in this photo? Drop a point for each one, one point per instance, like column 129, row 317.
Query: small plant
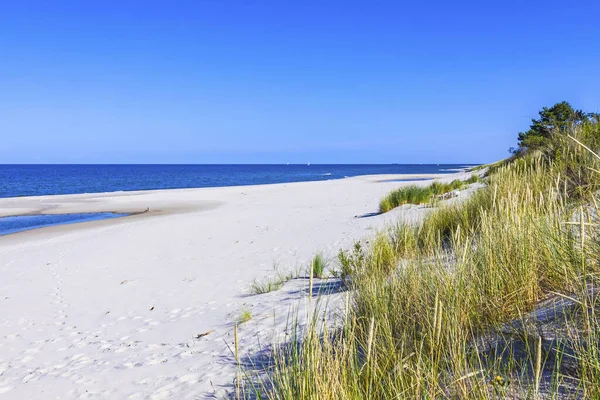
column 473, row 179
column 349, row 262
column 272, row 283
column 318, row 266
column 267, row 285
column 245, row 316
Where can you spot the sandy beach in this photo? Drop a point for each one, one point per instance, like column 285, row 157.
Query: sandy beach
column 114, row 309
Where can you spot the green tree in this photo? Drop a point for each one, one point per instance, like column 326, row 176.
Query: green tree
column 558, row 118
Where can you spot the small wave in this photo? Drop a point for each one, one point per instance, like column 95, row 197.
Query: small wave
column 327, row 174
column 452, row 169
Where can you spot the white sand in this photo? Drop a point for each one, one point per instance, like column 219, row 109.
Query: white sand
column 110, row 309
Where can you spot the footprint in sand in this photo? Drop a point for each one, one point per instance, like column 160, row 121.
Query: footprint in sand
column 156, row 361
column 12, row 336
column 30, row 378
column 131, row 364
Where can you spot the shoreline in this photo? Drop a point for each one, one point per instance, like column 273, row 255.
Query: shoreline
column 123, row 300
column 142, row 191
column 62, row 200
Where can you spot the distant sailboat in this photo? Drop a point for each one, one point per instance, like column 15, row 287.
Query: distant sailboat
column 308, row 164
column 288, row 163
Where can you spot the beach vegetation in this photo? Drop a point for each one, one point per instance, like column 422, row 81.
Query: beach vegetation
column 558, row 119
column 318, row 265
column 414, row 194
column 492, row 297
column 266, row 285
column 245, row 316
column 272, row 283
column 348, row 262
column 474, row 178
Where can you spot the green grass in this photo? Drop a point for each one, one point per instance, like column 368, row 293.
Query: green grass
column 270, row 283
column 274, row 282
column 266, row 285
column 414, row 194
column 318, row 265
column 424, row 297
column 347, row 262
column 245, row 316
column 473, row 179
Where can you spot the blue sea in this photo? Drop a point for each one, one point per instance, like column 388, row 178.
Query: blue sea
column 37, row 180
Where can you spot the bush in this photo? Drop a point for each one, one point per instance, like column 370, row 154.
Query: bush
column 349, row 261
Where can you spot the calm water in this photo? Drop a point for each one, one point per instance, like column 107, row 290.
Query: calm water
column 407, row 180
column 28, row 222
column 36, row 180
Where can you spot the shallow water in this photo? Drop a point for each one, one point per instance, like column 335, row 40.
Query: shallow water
column 27, row 222
column 408, row 180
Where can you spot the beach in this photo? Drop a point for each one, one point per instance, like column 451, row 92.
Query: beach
column 144, row 306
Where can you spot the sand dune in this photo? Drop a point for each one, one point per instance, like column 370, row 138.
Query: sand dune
column 113, row 309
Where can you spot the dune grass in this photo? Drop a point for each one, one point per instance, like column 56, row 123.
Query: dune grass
column 245, row 316
column 414, row 194
column 318, row 265
column 273, row 282
column 473, row 179
column 266, row 285
column 428, row 299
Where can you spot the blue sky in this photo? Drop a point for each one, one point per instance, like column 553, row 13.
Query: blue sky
column 253, row 81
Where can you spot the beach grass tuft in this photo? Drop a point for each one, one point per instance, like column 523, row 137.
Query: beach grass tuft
column 266, row 285
column 414, row 194
column 245, row 316
column 272, row 283
column 318, row 265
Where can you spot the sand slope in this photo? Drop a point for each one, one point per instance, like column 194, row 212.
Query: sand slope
column 111, row 309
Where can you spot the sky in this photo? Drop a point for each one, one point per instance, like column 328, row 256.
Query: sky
column 256, row 81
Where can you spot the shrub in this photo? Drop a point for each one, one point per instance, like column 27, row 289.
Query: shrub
column 349, row 261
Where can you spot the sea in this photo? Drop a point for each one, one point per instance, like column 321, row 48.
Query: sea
column 18, row 180
column 36, row 180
